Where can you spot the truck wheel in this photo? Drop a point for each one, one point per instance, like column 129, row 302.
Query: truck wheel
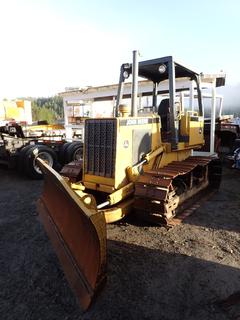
column 38, row 151
column 74, row 152
column 21, row 157
column 62, row 152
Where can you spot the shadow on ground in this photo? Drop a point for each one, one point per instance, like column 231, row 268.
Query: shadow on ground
column 221, row 211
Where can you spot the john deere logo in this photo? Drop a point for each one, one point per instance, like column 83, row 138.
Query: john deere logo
column 125, row 144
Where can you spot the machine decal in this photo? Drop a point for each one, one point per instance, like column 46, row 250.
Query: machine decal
column 138, row 121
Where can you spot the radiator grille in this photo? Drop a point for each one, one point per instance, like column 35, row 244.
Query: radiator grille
column 100, row 147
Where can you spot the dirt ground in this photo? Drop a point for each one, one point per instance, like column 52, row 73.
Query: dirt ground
column 189, row 272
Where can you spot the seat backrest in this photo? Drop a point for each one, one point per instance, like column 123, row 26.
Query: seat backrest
column 163, row 108
column 164, row 113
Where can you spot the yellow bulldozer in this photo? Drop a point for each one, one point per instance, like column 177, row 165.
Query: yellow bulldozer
column 138, row 162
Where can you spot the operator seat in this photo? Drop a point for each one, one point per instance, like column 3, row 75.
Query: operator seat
column 164, row 113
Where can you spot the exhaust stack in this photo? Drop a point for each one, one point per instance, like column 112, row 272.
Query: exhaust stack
column 134, row 84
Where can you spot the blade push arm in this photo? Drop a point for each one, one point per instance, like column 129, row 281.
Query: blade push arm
column 133, row 172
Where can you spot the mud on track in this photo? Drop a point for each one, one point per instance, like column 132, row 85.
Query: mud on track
column 183, row 273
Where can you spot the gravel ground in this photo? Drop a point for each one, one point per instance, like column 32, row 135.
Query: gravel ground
column 187, row 272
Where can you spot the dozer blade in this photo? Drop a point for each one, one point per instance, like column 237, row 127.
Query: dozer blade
column 78, row 234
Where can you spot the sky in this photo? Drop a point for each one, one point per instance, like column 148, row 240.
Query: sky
column 49, row 45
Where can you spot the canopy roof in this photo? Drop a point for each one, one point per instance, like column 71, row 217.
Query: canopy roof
column 149, row 69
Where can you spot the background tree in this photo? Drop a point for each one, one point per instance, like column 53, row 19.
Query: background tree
column 49, row 109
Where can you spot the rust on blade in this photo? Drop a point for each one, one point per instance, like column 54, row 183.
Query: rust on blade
column 78, row 234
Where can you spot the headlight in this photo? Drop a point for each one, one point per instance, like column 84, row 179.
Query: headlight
column 125, row 74
column 162, row 68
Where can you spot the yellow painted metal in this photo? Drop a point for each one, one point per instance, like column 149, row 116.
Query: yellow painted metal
column 184, row 127
column 191, row 126
column 124, row 155
column 112, row 214
column 118, row 212
column 92, row 179
column 134, row 171
column 153, row 154
column 77, row 186
column 97, row 186
column 87, row 199
column 121, row 194
column 168, row 157
column 104, row 188
column 196, row 132
column 124, row 150
column 181, row 145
